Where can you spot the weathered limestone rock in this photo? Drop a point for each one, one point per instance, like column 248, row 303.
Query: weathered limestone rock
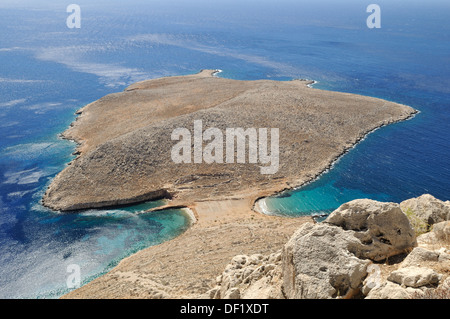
column 415, row 277
column 330, row 259
column 338, row 259
column 211, row 294
column 444, row 256
column 317, row 263
column 383, row 229
column 233, row 293
column 265, row 288
column 373, row 279
column 441, row 292
column 419, row 255
column 428, row 209
column 390, row 290
column 250, row 277
column 438, row 236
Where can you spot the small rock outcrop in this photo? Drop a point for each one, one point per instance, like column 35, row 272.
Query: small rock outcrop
column 390, row 290
column 318, row 263
column 437, row 237
column 419, row 255
column 427, row 208
column 415, row 277
column 250, row 277
column 330, row 259
column 421, row 274
column 382, row 229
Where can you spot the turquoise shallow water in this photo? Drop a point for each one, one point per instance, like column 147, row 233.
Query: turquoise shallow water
column 48, row 71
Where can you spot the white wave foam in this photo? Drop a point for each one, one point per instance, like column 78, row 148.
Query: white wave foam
column 190, row 214
column 311, row 84
column 217, row 71
column 261, row 207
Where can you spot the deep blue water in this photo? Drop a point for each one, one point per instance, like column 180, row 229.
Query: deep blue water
column 48, row 71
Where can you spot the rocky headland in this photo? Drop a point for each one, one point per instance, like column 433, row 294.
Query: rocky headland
column 124, row 157
column 125, row 145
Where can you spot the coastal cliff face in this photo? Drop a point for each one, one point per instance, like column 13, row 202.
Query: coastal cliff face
column 125, row 139
column 364, row 249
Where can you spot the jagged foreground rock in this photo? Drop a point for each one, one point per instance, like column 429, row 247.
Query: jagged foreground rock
column 347, row 256
column 428, row 209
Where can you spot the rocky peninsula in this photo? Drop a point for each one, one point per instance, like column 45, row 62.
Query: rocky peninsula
column 125, row 139
column 124, row 157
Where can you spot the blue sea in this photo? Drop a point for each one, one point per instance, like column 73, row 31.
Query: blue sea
column 48, row 71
